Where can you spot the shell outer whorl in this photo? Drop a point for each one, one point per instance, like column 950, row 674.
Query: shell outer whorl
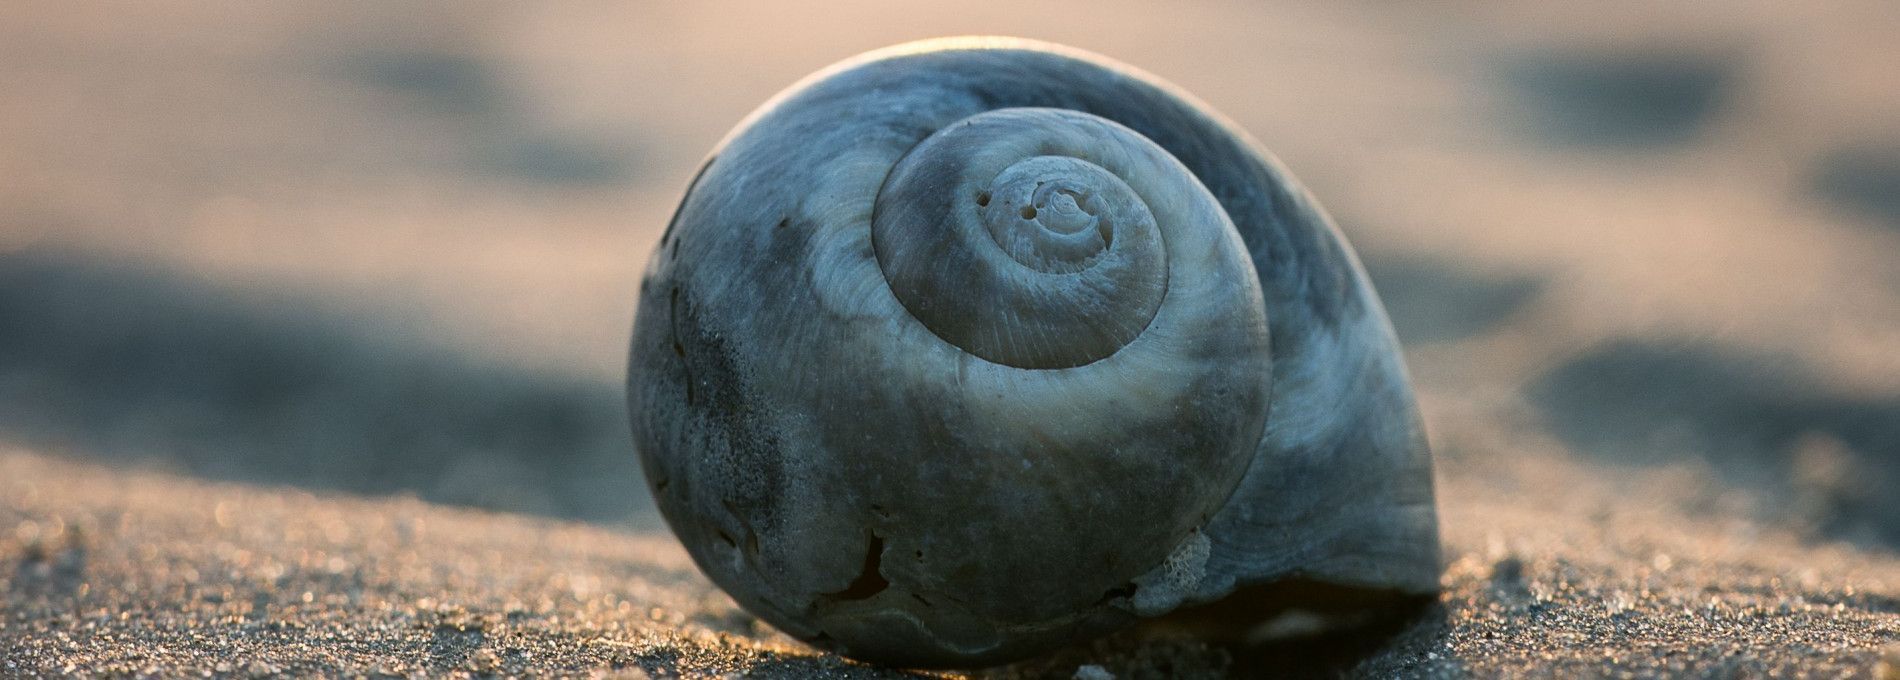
column 1024, row 235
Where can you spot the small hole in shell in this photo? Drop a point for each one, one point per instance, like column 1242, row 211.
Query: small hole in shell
column 1029, row 212
column 983, row 199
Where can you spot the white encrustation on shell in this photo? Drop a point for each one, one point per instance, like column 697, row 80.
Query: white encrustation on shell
column 963, row 350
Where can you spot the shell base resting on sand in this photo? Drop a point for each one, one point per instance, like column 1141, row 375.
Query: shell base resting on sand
column 964, row 350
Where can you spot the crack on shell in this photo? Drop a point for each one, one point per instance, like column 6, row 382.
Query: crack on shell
column 870, row 580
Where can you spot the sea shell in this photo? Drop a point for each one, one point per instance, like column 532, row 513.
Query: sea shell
column 963, row 350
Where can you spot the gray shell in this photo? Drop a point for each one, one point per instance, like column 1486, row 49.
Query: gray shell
column 895, row 422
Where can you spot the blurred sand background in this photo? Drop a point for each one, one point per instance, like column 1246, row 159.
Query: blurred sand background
column 1645, row 260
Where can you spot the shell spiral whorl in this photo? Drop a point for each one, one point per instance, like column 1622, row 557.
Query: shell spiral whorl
column 1016, row 234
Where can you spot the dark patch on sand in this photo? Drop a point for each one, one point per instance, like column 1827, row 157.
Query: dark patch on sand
column 1622, row 99
column 124, row 363
column 1863, row 179
column 1754, row 418
column 447, row 83
column 503, row 140
column 1431, row 302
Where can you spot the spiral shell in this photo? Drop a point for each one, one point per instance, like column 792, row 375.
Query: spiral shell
column 960, row 351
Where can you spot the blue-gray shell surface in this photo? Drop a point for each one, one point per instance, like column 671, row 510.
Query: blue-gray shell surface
column 961, row 351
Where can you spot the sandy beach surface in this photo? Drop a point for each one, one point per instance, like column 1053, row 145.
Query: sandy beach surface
column 141, row 573
column 312, row 324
